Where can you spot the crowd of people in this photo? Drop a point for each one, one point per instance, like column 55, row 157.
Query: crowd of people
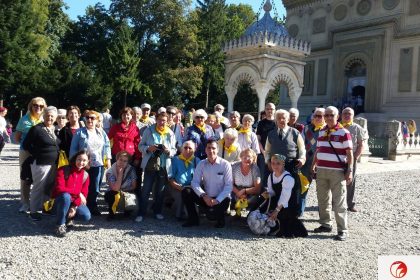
column 201, row 163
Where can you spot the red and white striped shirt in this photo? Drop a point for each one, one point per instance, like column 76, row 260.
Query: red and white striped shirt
column 340, row 139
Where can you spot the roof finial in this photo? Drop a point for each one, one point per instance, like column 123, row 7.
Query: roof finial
column 267, row 6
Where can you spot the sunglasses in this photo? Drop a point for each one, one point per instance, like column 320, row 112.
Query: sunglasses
column 171, row 113
column 91, row 118
column 199, row 117
column 38, row 106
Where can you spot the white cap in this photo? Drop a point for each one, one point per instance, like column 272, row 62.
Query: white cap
column 146, row 105
column 161, row 110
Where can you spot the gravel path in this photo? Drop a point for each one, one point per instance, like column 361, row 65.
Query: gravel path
column 387, row 224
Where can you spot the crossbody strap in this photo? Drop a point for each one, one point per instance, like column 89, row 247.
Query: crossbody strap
column 336, row 154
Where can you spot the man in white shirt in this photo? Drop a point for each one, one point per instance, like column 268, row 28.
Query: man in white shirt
column 107, row 120
column 210, row 188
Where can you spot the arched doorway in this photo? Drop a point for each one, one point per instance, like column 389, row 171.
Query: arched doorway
column 246, row 101
column 356, row 75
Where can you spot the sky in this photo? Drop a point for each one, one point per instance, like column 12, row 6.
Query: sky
column 77, row 7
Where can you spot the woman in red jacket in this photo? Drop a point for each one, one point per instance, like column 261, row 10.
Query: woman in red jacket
column 71, row 190
column 125, row 136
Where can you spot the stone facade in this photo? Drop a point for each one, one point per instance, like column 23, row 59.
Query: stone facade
column 366, row 48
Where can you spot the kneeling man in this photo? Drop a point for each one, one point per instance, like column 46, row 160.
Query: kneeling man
column 210, row 188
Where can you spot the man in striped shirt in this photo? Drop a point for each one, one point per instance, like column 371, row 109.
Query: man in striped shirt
column 332, row 163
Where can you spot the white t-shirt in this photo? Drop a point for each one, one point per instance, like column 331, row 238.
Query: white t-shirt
column 94, row 148
column 107, row 119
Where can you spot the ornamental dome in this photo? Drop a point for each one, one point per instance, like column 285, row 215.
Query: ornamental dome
column 267, row 24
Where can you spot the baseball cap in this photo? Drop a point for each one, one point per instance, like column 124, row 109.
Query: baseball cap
column 146, row 105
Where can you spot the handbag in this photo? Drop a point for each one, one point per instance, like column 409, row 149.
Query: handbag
column 130, row 201
column 153, row 164
column 62, row 159
column 260, row 224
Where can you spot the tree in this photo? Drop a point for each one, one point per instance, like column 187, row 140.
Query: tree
column 124, row 60
column 212, row 23
column 239, row 17
column 26, row 47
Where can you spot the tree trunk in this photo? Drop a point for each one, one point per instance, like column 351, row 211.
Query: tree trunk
column 125, row 98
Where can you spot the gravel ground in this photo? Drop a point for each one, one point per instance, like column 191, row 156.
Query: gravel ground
column 388, row 224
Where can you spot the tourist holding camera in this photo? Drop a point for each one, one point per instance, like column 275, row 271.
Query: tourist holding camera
column 157, row 147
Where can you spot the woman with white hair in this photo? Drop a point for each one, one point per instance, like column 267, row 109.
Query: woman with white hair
column 246, row 137
column 61, row 120
column 218, row 126
column 199, row 133
column 42, row 143
column 180, row 175
column 229, row 148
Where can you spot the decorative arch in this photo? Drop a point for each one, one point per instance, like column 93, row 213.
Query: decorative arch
column 283, row 73
column 243, row 74
column 354, row 58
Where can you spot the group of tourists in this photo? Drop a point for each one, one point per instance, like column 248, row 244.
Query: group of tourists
column 206, row 166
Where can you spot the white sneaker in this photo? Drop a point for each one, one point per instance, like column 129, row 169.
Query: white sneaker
column 24, row 208
column 139, row 219
column 159, row 217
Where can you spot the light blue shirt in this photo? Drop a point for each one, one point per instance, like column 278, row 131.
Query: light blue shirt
column 216, row 178
column 181, row 174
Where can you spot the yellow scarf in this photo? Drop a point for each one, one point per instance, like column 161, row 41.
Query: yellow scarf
column 318, row 127
column 230, row 149
column 347, row 124
column 247, row 132
column 162, row 131
column 34, row 119
column 144, row 119
column 116, row 202
column 334, row 129
column 186, row 161
column 202, row 128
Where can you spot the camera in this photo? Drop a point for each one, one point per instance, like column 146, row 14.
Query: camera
column 159, row 151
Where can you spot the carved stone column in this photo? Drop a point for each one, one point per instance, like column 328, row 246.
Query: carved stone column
column 395, row 141
column 231, row 93
column 294, row 96
column 365, row 153
column 262, row 88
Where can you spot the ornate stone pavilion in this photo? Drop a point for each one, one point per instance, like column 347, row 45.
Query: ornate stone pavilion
column 265, row 57
column 366, row 49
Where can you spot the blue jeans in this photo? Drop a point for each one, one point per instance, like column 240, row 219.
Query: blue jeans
column 95, row 178
column 62, row 205
column 302, row 202
column 158, row 179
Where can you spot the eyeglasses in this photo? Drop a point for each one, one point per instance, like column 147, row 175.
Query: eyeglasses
column 38, row 106
column 91, row 118
column 329, row 115
column 318, row 116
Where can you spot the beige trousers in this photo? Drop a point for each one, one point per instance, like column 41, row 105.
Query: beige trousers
column 331, row 193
